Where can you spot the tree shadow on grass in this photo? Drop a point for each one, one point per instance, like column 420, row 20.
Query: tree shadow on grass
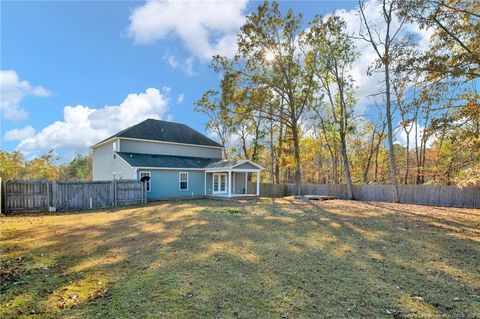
column 277, row 258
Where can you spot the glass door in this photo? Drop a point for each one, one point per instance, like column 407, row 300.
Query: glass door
column 219, row 183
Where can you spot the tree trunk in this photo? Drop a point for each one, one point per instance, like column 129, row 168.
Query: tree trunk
column 417, row 156
column 369, row 158
column 279, row 154
column 272, row 155
column 335, row 169
column 407, row 160
column 346, row 166
column 296, row 155
column 375, row 176
column 391, row 153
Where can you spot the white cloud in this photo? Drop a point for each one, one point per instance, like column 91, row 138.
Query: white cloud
column 83, row 126
column 206, row 27
column 12, row 91
column 186, row 65
column 19, row 134
column 180, row 98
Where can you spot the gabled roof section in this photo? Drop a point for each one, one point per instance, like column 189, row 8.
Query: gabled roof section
column 165, row 161
column 157, row 130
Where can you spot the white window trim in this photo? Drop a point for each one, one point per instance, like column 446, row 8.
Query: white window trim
column 180, row 180
column 149, row 182
column 213, row 183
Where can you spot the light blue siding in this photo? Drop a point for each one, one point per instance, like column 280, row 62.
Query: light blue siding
column 146, row 147
column 165, row 184
column 209, row 184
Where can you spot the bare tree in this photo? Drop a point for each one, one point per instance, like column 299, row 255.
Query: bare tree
column 387, row 44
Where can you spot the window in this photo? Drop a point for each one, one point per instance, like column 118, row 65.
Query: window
column 147, row 183
column 183, row 180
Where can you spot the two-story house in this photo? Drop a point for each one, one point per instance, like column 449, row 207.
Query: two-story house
column 181, row 162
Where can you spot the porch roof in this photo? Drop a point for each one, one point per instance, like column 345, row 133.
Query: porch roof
column 232, row 164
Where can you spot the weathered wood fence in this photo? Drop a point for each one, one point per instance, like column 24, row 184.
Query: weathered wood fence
column 439, row 195
column 42, row 195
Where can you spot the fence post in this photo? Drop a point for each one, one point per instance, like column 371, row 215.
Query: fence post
column 5, row 204
column 54, row 194
column 114, row 183
column 48, row 195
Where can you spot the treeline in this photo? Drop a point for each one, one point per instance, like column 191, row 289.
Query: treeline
column 288, row 98
column 14, row 166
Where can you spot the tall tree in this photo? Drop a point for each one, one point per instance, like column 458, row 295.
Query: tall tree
column 388, row 43
column 331, row 55
column 219, row 121
column 268, row 56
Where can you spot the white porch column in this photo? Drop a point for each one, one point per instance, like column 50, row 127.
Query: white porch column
column 246, row 182
column 258, row 183
column 205, row 184
column 229, row 184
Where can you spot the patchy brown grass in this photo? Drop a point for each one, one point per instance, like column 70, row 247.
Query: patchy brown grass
column 243, row 259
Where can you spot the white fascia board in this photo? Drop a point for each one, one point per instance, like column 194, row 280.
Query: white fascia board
column 102, row 143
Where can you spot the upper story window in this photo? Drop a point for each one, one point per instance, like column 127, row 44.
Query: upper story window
column 183, row 180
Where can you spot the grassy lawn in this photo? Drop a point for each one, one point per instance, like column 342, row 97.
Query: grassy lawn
column 243, row 259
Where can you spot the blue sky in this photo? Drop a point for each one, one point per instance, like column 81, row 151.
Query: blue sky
column 92, row 55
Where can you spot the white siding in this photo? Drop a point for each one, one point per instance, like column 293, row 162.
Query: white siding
column 102, row 162
column 122, row 169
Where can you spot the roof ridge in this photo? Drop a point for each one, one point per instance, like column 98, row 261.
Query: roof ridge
column 167, row 131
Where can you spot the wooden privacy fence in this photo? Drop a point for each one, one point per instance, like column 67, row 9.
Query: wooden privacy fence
column 41, row 195
column 440, row 195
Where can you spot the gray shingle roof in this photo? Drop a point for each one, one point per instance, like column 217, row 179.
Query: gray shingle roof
column 225, row 164
column 157, row 130
column 169, row 161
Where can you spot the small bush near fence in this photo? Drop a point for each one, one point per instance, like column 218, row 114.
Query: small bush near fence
column 439, row 195
column 41, row 195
